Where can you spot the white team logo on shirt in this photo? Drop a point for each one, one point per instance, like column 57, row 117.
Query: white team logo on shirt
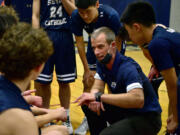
column 86, row 26
column 113, row 84
column 52, row 2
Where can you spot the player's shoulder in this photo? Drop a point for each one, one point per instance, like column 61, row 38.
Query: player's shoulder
column 158, row 43
column 127, row 64
column 108, row 10
column 16, row 114
column 17, row 119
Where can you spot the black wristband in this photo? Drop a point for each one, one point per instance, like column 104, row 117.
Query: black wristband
column 98, row 96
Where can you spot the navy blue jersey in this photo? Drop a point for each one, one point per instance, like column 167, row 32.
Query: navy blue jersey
column 126, row 75
column 1, row 1
column 165, row 48
column 107, row 17
column 23, row 9
column 53, row 15
column 10, row 96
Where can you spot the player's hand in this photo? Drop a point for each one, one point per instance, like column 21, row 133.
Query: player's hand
column 153, row 72
column 58, row 114
column 28, row 92
column 172, row 124
column 85, row 99
column 34, row 100
column 96, row 107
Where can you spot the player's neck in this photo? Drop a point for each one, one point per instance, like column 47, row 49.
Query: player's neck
column 22, row 84
column 96, row 16
column 110, row 64
column 148, row 32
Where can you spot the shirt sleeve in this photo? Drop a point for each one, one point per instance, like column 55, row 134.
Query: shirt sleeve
column 161, row 54
column 77, row 24
column 131, row 78
column 114, row 22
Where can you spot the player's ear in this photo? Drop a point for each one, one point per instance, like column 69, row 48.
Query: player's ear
column 113, row 44
column 136, row 26
column 97, row 4
column 39, row 68
column 36, row 71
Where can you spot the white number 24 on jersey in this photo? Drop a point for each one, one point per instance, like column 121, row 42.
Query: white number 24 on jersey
column 54, row 12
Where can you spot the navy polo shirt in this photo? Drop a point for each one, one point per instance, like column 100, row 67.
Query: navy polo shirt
column 126, row 75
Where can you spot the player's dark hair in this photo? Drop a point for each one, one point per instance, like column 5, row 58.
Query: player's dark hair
column 140, row 12
column 84, row 4
column 6, row 21
column 23, row 49
column 8, row 10
column 8, row 17
column 123, row 34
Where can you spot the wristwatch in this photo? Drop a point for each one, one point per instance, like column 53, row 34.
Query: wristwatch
column 98, row 96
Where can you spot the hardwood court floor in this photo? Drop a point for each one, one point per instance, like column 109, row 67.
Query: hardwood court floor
column 76, row 90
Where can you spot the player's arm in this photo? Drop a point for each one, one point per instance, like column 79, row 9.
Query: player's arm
column 147, row 54
column 170, row 78
column 69, row 5
column 18, row 122
column 53, row 114
column 98, row 86
column 153, row 71
column 134, row 95
column 88, row 98
column 38, row 111
column 36, row 14
column 132, row 99
column 44, row 119
column 81, row 51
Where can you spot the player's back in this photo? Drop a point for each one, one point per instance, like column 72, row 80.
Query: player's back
column 23, row 9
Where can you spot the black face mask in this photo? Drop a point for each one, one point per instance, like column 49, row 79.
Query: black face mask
column 106, row 59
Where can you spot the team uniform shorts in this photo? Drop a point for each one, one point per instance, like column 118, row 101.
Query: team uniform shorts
column 62, row 60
